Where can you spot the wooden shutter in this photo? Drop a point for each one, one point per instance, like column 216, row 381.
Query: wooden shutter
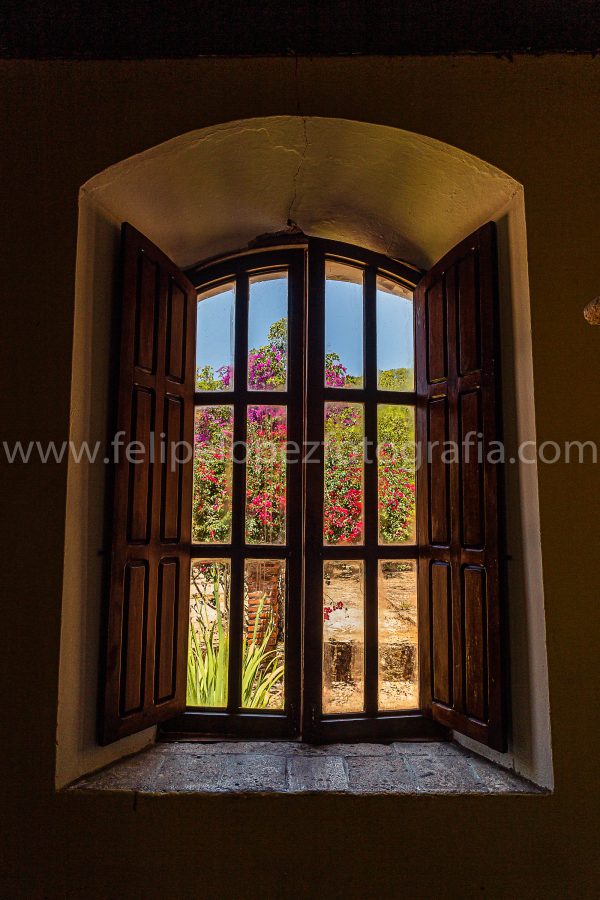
column 459, row 583
column 147, row 615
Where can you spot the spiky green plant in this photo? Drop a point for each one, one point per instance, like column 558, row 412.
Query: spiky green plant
column 207, row 659
column 207, row 668
column 261, row 670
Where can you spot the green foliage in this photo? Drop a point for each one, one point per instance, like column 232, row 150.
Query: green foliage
column 207, row 381
column 261, row 669
column 396, row 380
column 343, row 513
column 278, row 335
column 266, row 475
column 267, row 366
column 208, row 657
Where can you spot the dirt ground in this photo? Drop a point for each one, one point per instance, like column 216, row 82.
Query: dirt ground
column 344, row 639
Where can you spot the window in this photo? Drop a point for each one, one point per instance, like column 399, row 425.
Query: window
column 319, row 564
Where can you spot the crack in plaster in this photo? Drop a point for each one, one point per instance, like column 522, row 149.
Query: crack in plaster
column 301, row 148
column 173, row 149
column 296, row 175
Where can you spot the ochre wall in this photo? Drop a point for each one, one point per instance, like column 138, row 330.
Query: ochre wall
column 537, row 120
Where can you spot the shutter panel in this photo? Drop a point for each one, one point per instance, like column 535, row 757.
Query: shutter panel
column 147, row 611
column 459, row 584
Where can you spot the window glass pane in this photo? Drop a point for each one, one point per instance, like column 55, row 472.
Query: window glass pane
column 215, row 339
column 263, row 649
column 208, row 650
column 343, row 325
column 213, row 442
column 395, row 336
column 268, row 332
column 343, row 637
column 266, row 474
column 398, row 647
column 344, row 473
column 396, row 474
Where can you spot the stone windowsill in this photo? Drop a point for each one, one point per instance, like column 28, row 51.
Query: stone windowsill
column 292, row 768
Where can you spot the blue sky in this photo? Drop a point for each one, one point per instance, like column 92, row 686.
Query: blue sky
column 343, row 324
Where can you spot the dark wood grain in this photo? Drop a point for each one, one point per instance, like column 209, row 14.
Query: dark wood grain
column 441, row 627
column 146, row 627
column 437, row 345
column 471, row 470
column 165, row 675
column 438, row 471
column 462, row 681
column 174, row 416
column 468, row 311
column 135, row 605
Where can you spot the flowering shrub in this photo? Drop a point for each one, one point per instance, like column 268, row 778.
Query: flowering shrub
column 266, row 460
column 343, row 510
column 267, row 367
column 213, row 442
column 344, row 460
column 266, row 444
column 336, row 375
column 328, row 610
column 266, row 475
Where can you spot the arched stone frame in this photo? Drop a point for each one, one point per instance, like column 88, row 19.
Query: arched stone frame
column 211, row 191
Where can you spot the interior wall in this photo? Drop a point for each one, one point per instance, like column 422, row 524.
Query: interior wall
column 529, row 743
column 84, row 582
column 535, row 118
column 215, row 189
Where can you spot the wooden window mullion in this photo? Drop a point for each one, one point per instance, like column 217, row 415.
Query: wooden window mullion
column 313, row 560
column 450, row 288
column 371, row 503
column 238, row 506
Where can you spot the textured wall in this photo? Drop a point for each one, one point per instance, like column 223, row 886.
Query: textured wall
column 533, row 118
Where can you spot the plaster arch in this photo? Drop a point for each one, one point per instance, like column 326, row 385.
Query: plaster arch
column 210, row 192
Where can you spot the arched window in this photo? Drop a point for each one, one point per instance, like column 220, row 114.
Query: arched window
column 307, row 544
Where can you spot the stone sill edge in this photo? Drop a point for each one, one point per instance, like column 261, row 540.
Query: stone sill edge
column 532, row 790
column 143, row 782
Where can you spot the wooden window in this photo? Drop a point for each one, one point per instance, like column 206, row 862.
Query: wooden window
column 147, row 614
column 459, row 537
column 258, row 400
column 314, row 568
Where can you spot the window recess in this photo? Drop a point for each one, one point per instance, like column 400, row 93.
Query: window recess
column 348, row 593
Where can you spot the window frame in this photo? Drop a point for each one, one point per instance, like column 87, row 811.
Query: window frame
column 373, row 723
column 304, row 550
column 236, row 721
column 461, row 618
